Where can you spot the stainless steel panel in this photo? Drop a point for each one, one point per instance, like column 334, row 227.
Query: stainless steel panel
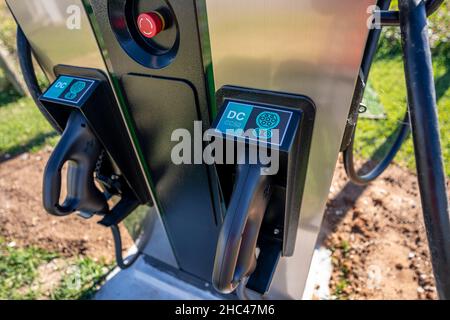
column 48, row 25
column 310, row 47
column 146, row 227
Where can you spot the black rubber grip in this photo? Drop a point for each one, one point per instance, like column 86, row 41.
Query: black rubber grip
column 236, row 249
column 80, row 148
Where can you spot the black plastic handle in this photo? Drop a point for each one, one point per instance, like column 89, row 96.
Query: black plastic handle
column 236, row 249
column 80, row 148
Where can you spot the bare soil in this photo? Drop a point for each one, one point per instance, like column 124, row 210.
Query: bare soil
column 376, row 233
column 24, row 221
column 378, row 238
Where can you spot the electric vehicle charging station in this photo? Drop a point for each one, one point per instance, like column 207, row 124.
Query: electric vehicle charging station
column 127, row 74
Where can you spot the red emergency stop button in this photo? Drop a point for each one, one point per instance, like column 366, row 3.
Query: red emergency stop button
column 150, row 24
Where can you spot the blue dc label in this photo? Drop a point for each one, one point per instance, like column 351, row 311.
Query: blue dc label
column 69, row 89
column 237, row 118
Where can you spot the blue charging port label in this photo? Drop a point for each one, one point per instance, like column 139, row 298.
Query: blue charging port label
column 254, row 122
column 69, row 89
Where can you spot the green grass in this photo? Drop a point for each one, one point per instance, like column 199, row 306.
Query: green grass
column 19, row 270
column 372, row 102
column 387, row 79
column 81, row 280
column 342, row 250
column 7, row 27
column 22, row 127
column 19, row 274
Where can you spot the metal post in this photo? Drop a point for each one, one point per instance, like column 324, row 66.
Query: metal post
column 425, row 131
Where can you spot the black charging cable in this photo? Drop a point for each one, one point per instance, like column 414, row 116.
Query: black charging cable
column 382, row 165
column 118, row 249
column 387, row 18
column 403, row 129
column 25, row 56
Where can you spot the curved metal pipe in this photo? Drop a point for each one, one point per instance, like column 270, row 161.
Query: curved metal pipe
column 426, row 137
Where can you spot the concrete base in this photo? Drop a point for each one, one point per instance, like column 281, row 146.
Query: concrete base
column 142, row 281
